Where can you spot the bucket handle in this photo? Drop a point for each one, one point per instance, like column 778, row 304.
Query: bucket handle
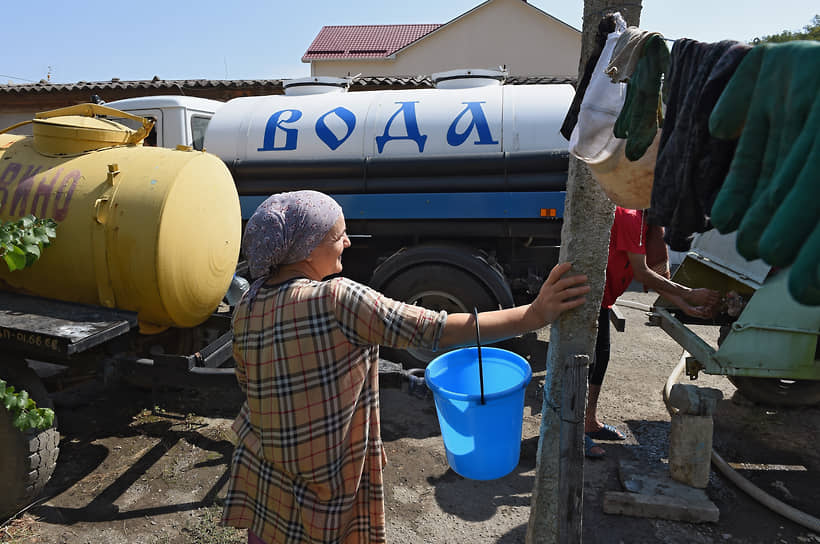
column 478, row 345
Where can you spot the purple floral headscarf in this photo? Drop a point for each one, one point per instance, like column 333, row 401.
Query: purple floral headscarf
column 285, row 228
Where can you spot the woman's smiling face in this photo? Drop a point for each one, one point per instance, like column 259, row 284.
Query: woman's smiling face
column 326, row 258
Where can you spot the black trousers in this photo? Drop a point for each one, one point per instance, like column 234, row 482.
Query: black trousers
column 598, row 367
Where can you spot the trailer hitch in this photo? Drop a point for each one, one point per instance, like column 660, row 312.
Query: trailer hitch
column 394, row 376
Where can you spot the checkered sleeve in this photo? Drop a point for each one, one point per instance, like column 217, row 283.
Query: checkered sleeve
column 240, row 317
column 369, row 317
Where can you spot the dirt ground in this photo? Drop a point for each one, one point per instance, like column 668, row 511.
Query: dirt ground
column 128, row 473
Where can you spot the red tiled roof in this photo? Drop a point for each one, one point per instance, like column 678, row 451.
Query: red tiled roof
column 364, row 41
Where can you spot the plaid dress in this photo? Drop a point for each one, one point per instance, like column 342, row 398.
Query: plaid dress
column 308, row 463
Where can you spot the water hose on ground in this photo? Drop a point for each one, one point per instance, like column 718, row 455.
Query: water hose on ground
column 789, row 512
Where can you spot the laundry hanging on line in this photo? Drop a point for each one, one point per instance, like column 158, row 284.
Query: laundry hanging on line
column 780, row 89
column 692, row 164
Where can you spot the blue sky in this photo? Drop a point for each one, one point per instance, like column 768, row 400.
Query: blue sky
column 91, row 40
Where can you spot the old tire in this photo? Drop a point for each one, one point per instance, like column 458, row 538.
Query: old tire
column 436, row 287
column 27, row 459
column 778, row 392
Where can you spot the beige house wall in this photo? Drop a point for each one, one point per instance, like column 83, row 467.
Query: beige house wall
column 499, row 32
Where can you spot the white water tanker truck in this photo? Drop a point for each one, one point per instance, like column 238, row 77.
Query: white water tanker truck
column 453, row 196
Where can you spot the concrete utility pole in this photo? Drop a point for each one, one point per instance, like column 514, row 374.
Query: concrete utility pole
column 557, row 498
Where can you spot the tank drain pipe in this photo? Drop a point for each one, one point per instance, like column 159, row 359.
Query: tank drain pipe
column 788, row 512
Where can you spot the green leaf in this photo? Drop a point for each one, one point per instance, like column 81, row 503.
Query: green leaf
column 21, row 421
column 35, row 420
column 48, row 417
column 40, row 235
column 22, row 241
column 14, row 260
column 32, row 249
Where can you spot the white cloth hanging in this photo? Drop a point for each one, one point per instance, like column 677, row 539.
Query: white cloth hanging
column 627, row 183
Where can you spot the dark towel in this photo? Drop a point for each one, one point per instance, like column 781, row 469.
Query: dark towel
column 691, row 164
column 605, row 27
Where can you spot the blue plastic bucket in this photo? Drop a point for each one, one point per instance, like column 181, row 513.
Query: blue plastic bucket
column 483, row 441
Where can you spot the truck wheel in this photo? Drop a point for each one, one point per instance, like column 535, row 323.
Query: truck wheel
column 436, row 287
column 27, row 459
column 777, row 391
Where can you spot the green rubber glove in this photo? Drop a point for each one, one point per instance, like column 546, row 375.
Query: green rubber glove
column 771, row 103
column 638, row 120
column 783, row 217
column 804, row 276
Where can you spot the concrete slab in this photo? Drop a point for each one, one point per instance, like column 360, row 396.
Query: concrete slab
column 660, row 506
column 652, row 493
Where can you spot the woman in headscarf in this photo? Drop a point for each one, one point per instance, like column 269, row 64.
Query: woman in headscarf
column 308, row 463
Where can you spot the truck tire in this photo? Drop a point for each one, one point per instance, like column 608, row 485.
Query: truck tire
column 778, row 392
column 436, row 287
column 27, row 459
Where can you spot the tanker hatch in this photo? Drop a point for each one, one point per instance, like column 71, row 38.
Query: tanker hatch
column 72, row 134
column 467, row 79
column 315, row 85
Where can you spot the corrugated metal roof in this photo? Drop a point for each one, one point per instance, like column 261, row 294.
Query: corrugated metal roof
column 274, row 85
column 156, row 83
column 363, row 41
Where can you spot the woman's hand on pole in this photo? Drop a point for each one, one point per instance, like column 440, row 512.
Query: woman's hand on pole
column 559, row 293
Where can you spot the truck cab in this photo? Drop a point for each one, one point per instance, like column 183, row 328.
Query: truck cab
column 179, row 120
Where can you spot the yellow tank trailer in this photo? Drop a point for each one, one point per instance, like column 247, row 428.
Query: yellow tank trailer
column 151, row 230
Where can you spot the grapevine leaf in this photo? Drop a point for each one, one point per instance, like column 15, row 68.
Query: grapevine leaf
column 20, row 421
column 35, row 419
column 32, row 249
column 12, row 261
column 48, row 417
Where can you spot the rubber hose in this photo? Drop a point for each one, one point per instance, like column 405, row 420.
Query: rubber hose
column 788, row 512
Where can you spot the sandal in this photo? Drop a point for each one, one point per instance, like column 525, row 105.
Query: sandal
column 589, row 444
column 607, row 432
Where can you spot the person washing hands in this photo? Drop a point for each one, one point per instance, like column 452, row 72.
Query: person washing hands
column 308, row 463
column 627, row 261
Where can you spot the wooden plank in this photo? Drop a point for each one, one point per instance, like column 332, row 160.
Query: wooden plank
column 634, row 305
column 571, row 449
column 617, row 319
